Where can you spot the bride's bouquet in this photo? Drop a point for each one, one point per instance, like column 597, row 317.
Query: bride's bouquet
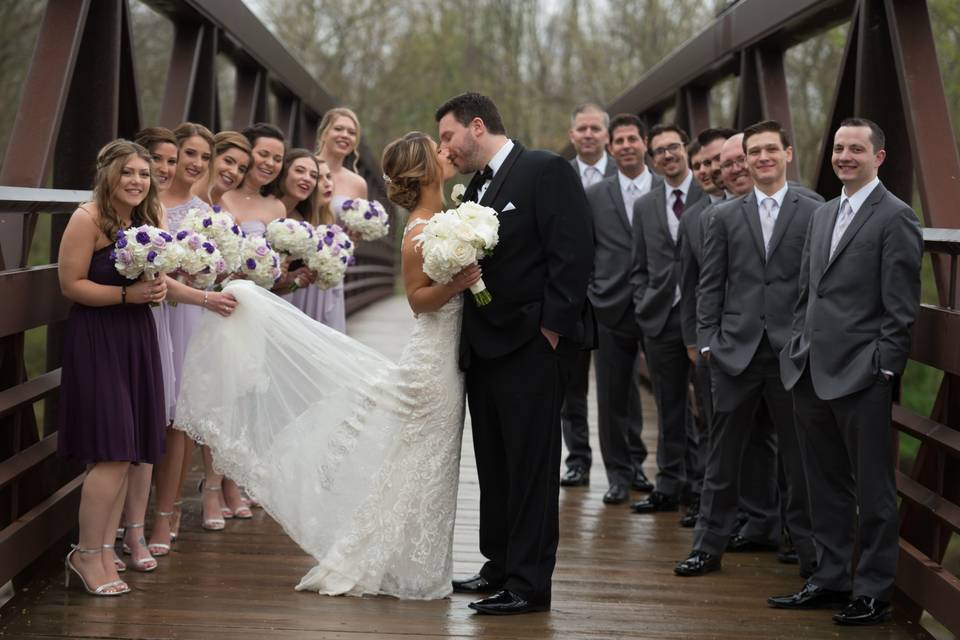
column 219, row 227
column 259, row 262
column 332, row 255
column 367, row 218
column 455, row 239
column 145, row 251
column 201, row 262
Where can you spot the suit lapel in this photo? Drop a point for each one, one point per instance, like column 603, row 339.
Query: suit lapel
column 501, row 176
column 783, row 220
column 866, row 210
column 660, row 212
column 613, row 188
column 748, row 206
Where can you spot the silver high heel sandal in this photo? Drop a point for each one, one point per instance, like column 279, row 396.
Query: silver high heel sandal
column 144, row 565
column 159, row 549
column 112, row 588
column 117, row 562
column 210, row 524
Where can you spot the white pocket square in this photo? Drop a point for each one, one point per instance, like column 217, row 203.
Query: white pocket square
column 509, row 207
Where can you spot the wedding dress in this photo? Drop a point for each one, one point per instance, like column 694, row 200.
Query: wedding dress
column 357, row 457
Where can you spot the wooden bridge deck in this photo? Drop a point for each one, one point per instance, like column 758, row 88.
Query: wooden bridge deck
column 613, row 578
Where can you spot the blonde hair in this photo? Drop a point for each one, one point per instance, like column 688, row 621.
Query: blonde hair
column 226, row 140
column 110, row 162
column 327, row 121
column 409, row 163
column 190, row 129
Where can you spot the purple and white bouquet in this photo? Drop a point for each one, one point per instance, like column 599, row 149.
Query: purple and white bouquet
column 219, row 227
column 367, row 218
column 259, row 262
column 333, row 254
column 294, row 240
column 145, row 251
column 201, row 262
column 455, row 239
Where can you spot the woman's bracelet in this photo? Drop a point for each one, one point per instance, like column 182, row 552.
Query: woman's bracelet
column 204, row 303
column 123, row 294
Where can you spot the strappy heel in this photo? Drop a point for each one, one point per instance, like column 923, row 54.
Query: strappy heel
column 159, row 549
column 178, row 512
column 210, row 524
column 112, row 588
column 144, row 565
column 120, row 565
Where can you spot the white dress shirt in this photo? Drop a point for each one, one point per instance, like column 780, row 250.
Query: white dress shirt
column 591, row 174
column 632, row 189
column 495, row 163
column 769, row 212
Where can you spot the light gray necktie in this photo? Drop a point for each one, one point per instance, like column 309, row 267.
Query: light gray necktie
column 843, row 221
column 633, row 192
column 767, row 222
column 591, row 176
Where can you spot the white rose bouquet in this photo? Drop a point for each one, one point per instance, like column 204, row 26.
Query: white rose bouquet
column 367, row 218
column 259, row 262
column 201, row 263
column 145, row 251
column 294, row 240
column 333, row 254
column 454, row 239
column 220, row 228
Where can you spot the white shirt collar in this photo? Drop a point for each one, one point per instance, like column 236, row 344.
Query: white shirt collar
column 778, row 196
column 601, row 165
column 498, row 158
column 642, row 181
column 857, row 199
column 684, row 187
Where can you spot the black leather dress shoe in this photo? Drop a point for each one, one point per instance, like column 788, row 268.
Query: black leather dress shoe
column 863, row 611
column 689, row 520
column 575, row 477
column 697, row 564
column 474, row 584
column 788, row 556
column 506, row 603
column 811, row 597
column 641, row 482
column 656, row 501
column 616, row 494
column 738, row 543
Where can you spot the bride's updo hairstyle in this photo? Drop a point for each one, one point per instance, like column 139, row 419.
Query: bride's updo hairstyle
column 408, row 164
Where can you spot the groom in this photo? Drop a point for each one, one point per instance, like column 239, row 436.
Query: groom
column 519, row 350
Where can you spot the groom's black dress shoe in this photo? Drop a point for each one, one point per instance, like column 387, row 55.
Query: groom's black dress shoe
column 616, row 494
column 506, row 603
column 641, row 482
column 474, row 584
column 697, row 564
column 739, row 544
column 811, row 597
column 575, row 477
column 656, row 501
column 863, row 611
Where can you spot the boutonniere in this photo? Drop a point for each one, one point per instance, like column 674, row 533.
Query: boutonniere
column 457, row 193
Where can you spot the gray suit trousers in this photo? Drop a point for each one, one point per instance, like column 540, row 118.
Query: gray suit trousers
column 850, row 465
column 573, row 414
column 620, row 414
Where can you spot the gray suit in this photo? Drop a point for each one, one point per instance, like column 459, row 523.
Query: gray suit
column 655, row 277
column 573, row 412
column 617, row 374
column 853, row 320
column 744, row 318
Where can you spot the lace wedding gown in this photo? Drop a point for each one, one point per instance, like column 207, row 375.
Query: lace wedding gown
column 357, row 457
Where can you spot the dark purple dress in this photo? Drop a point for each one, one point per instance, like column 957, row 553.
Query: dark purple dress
column 111, row 390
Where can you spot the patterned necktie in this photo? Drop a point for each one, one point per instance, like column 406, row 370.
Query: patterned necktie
column 478, row 180
column 678, row 203
column 767, row 221
column 633, row 192
column 843, row 221
column 591, row 176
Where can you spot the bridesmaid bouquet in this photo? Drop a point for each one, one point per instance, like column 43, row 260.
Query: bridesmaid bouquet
column 332, row 255
column 201, row 263
column 367, row 218
column 457, row 238
column 145, row 251
column 294, row 240
column 259, row 262
column 220, row 228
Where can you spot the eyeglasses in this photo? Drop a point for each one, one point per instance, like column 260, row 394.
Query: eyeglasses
column 741, row 161
column 672, row 148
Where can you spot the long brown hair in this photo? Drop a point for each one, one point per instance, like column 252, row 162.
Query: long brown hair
column 110, row 162
column 327, row 121
column 309, row 208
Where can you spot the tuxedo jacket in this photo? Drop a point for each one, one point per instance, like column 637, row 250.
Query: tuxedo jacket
column 538, row 272
column 745, row 291
column 610, row 292
column 655, row 273
column 855, row 309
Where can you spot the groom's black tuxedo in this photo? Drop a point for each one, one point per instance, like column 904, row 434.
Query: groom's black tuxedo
column 538, row 277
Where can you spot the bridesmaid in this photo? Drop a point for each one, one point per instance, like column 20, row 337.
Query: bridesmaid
column 251, row 203
column 195, row 146
column 111, row 414
column 305, row 187
column 231, row 161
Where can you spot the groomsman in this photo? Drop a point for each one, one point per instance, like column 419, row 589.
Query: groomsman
column 618, row 381
column 656, row 294
column 859, row 296
column 748, row 286
column 589, row 125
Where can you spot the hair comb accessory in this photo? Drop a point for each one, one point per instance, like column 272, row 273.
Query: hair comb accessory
column 387, row 179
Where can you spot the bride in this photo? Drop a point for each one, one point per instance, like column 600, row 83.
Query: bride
column 356, row 456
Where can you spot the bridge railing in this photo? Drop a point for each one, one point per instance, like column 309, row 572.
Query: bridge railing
column 80, row 92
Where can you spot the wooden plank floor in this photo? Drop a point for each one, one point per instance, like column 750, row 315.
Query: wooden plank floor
column 613, row 580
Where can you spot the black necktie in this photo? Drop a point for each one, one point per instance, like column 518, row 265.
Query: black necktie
column 478, row 180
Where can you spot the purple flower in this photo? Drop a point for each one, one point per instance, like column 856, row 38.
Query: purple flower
column 121, row 241
column 216, row 208
column 367, row 215
column 209, row 247
column 328, row 239
column 151, row 256
column 143, row 237
column 124, row 257
column 262, row 250
column 166, row 236
column 335, row 250
column 182, row 234
column 235, row 229
column 347, row 244
column 119, row 234
column 348, row 204
column 194, row 241
column 113, row 256
column 343, row 259
column 207, row 222
column 206, row 269
column 251, row 264
column 352, row 261
column 159, row 242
